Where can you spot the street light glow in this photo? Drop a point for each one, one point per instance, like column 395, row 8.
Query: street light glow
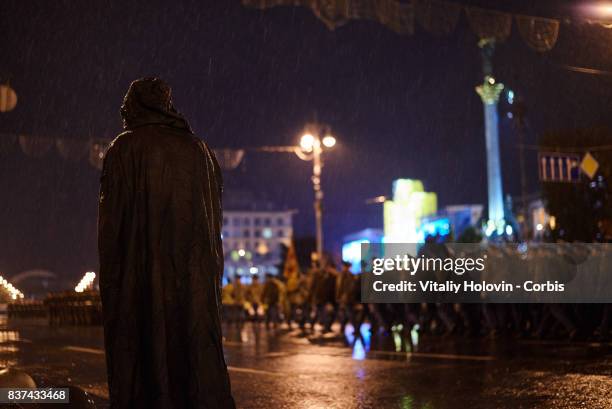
column 598, row 10
column 307, row 142
column 8, row 287
column 86, row 282
column 329, row 141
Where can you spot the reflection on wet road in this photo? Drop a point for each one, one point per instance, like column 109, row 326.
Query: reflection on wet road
column 289, row 369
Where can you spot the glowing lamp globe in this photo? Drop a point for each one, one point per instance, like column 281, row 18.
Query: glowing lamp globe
column 329, row 141
column 307, row 142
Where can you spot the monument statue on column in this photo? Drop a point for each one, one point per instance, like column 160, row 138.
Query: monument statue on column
column 489, row 92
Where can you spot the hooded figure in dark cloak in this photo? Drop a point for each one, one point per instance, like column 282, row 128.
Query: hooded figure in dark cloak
column 161, row 260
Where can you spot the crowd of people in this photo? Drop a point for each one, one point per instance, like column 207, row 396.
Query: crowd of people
column 72, row 308
column 65, row 308
column 26, row 309
column 320, row 297
column 323, row 295
column 327, row 295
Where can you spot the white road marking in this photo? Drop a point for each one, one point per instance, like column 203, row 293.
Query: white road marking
column 279, row 354
column 254, row 371
column 450, row 356
column 436, row 356
column 234, row 343
column 95, row 351
column 564, row 344
column 276, row 354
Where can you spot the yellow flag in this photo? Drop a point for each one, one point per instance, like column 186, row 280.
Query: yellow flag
column 292, row 268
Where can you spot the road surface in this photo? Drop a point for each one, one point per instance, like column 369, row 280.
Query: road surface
column 287, row 369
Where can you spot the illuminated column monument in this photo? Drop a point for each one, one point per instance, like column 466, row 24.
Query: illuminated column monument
column 489, row 92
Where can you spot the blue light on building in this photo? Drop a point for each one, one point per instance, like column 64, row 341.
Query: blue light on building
column 437, row 227
column 351, row 249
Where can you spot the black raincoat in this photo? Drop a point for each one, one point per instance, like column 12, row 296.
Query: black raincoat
column 161, row 260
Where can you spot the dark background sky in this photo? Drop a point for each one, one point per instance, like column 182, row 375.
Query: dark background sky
column 400, row 106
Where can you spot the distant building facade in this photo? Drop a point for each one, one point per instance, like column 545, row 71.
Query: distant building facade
column 253, row 239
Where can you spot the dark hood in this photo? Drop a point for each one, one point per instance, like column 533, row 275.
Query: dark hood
column 149, row 101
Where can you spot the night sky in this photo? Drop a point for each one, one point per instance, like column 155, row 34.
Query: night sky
column 400, row 106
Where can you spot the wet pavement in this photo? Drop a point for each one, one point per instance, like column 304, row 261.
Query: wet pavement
column 287, row 369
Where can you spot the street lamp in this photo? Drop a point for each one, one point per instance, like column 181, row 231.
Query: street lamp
column 311, row 148
column 307, row 142
column 329, row 141
column 596, row 9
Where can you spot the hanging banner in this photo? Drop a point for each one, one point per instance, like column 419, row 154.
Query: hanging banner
column 396, row 16
column 362, row 10
column 489, row 23
column 539, row 33
column 333, row 13
column 8, row 98
column 35, row 146
column 437, row 17
column 229, row 159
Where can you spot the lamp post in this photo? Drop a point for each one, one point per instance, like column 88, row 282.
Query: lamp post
column 314, row 141
column 311, row 148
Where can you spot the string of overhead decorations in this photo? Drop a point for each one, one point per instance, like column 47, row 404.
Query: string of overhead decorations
column 93, row 149
column 435, row 16
column 77, row 149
